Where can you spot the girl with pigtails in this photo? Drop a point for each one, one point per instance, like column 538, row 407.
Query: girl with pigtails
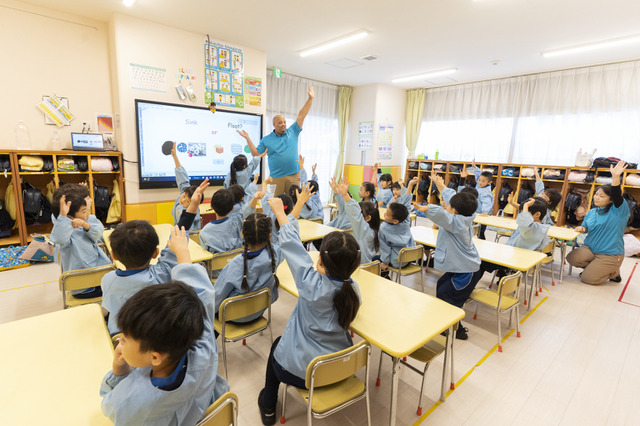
column 254, row 269
column 241, row 169
column 327, row 304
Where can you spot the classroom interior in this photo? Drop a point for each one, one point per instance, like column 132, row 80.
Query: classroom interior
column 575, row 361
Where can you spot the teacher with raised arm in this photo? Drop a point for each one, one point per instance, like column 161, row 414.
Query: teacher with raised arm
column 603, row 249
column 282, row 146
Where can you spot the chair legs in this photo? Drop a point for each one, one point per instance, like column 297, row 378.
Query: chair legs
column 424, row 377
column 379, row 369
column 499, row 332
column 224, row 357
column 284, row 404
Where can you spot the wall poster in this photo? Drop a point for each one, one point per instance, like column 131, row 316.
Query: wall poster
column 223, row 69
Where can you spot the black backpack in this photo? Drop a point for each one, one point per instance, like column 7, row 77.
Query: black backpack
column 503, row 196
column 525, row 193
column 572, row 202
column 102, row 200
column 606, row 162
column 635, row 223
column 5, row 164
column 633, row 206
column 35, row 205
column 6, row 223
column 423, row 185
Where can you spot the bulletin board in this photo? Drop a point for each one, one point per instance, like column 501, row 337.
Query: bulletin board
column 223, row 70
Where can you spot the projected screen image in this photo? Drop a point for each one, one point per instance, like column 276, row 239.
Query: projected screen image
column 206, row 143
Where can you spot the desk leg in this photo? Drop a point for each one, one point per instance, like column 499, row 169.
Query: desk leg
column 573, row 247
column 448, row 344
column 395, row 370
column 563, row 252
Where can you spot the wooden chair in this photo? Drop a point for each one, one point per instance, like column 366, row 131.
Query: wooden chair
column 195, row 236
column 79, row 279
column 220, row 260
column 332, row 384
column 238, row 307
column 319, row 220
column 427, row 353
column 408, row 255
column 223, row 412
column 504, row 299
column 373, row 267
column 500, row 232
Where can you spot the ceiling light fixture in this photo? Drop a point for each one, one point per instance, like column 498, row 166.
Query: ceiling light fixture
column 425, row 76
column 592, row 46
column 334, row 43
column 128, row 3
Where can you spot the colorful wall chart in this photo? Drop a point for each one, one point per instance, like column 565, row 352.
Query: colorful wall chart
column 365, row 135
column 385, row 138
column 223, row 69
column 253, row 91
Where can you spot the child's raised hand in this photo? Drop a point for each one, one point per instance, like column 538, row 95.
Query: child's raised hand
column 528, row 204
column 77, row 223
column 276, row 205
column 120, row 366
column 173, row 149
column 537, row 173
column 464, row 173
column 313, row 168
column 420, row 207
column 473, row 162
column 300, row 161
column 179, row 244
column 376, row 166
column 64, row 206
column 268, row 180
column 343, row 188
column 263, row 154
column 305, row 194
column 510, row 197
column 259, row 195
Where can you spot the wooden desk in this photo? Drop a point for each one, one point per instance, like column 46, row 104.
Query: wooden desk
column 52, row 366
column 198, row 254
column 395, row 318
column 556, row 232
column 500, row 254
column 310, row 231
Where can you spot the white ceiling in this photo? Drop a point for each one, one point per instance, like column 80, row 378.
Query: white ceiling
column 407, row 36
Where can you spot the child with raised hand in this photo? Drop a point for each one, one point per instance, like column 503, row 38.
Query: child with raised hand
column 385, row 181
column 241, row 170
column 186, row 192
column 341, row 221
column 291, row 209
column 328, row 302
column 402, row 194
column 365, row 222
column 394, row 234
column 164, row 367
column 135, row 244
column 485, row 196
column 550, row 195
column 222, row 234
column 75, row 234
column 254, row 269
column 455, row 252
column 367, row 192
column 313, row 208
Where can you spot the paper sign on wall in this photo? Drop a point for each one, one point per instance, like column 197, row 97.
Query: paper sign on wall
column 385, row 139
column 223, row 69
column 144, row 77
column 365, row 135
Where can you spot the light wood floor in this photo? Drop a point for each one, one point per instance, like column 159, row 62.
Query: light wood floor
column 577, row 362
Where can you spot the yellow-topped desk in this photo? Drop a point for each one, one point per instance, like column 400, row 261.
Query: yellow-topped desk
column 310, row 231
column 198, row 254
column 395, row 318
column 556, row 232
column 52, row 366
column 206, row 209
column 499, row 254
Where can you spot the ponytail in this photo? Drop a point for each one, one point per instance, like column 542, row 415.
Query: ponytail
column 276, row 284
column 245, row 283
column 238, row 164
column 232, row 175
column 346, row 303
column 257, row 230
column 371, row 209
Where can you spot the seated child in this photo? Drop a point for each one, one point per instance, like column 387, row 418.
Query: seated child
column 241, row 171
column 394, row 234
column 485, row 194
column 551, row 196
column 135, row 244
column 531, row 233
column 367, row 192
column 76, row 233
column 327, row 304
column 402, row 194
column 186, row 192
column 312, row 208
column 365, row 222
column 164, row 367
column 341, row 220
column 385, row 181
column 222, row 234
column 254, row 269
column 455, row 252
column 291, row 209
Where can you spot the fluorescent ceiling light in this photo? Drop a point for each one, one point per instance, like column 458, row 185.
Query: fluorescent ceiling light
column 334, row 43
column 425, row 76
column 128, row 3
column 592, row 46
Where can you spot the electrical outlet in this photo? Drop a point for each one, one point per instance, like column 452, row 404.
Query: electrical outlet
column 86, row 123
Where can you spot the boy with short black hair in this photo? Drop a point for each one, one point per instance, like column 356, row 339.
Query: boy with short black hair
column 168, row 340
column 485, row 194
column 222, row 234
column 135, row 244
column 186, row 192
column 384, row 194
column 531, row 233
column 455, row 252
column 76, row 234
column 394, row 234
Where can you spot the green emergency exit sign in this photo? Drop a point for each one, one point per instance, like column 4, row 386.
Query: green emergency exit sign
column 277, row 72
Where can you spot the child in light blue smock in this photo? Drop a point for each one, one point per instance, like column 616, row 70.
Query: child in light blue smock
column 75, row 234
column 327, row 304
column 341, row 220
column 384, row 194
column 135, row 244
column 241, row 171
column 222, row 234
column 186, row 192
column 485, row 194
column 165, row 364
column 289, row 206
column 312, row 208
column 531, row 233
column 254, row 269
column 550, row 195
column 394, row 235
column 455, row 252
column 365, row 222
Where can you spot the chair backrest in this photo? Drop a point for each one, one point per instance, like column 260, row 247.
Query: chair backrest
column 373, row 267
column 549, row 247
column 195, row 236
column 335, row 367
column 223, row 412
column 410, row 254
column 79, row 279
column 319, row 220
column 220, row 260
column 476, row 229
column 245, row 304
column 510, row 284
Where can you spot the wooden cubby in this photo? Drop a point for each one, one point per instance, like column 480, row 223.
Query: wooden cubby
column 22, row 234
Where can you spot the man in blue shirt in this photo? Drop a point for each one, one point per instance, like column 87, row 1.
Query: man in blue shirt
column 282, row 145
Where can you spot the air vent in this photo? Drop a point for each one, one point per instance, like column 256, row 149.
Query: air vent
column 369, row 58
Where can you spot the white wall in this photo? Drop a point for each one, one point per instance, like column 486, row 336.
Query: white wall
column 143, row 42
column 45, row 52
column 384, row 105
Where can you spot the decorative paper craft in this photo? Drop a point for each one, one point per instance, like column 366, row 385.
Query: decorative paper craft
column 56, row 110
column 253, row 91
column 105, row 124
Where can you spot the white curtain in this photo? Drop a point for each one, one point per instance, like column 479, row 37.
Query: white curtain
column 537, row 119
column 319, row 141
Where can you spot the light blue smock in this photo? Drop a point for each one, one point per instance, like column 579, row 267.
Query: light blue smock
column 384, row 195
column 547, row 217
column 485, row 195
column 529, row 235
column 266, row 209
column 393, row 238
column 243, row 177
column 362, row 232
column 341, row 221
column 182, row 179
column 222, row 235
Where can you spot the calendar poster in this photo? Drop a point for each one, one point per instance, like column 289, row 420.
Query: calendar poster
column 385, row 138
column 144, row 77
column 223, row 70
column 253, row 91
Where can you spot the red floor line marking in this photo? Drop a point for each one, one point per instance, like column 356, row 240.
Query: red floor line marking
column 627, row 284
